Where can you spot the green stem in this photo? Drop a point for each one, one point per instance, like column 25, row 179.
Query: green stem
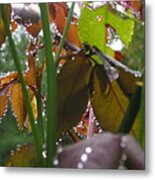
column 51, row 87
column 35, row 131
column 61, row 44
column 142, row 118
column 131, row 112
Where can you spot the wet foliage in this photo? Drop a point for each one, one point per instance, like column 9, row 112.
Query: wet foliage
column 99, row 69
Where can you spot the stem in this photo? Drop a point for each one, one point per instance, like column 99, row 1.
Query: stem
column 142, row 117
column 131, row 113
column 51, row 87
column 61, row 44
column 35, row 131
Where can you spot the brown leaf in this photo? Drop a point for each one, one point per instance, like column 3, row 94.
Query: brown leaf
column 73, row 82
column 18, row 104
column 61, row 19
column 35, row 28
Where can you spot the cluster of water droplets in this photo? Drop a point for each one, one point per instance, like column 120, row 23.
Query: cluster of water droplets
column 84, row 157
column 123, row 157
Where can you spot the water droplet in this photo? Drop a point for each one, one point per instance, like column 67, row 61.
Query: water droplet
column 55, row 162
column 57, row 143
column 123, row 142
column 137, row 74
column 44, row 154
column 79, row 165
column 99, row 18
column 60, row 140
column 35, row 122
column 84, row 157
column 59, row 150
column 44, row 146
column 12, row 152
column 88, row 150
column 73, row 58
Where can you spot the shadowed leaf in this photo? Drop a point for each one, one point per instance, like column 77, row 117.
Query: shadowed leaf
column 103, row 152
column 73, row 81
column 2, row 27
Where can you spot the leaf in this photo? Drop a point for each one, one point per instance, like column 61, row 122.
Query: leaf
column 108, row 101
column 73, row 82
column 24, row 156
column 100, row 18
column 34, row 29
column 28, row 15
column 31, row 74
column 103, row 152
column 61, row 19
column 33, row 100
column 18, row 105
column 4, row 81
column 3, row 104
column 135, row 55
column 10, row 136
column 127, row 81
column 2, row 30
column 2, row 26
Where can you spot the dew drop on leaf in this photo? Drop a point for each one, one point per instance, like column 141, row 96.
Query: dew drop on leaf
column 44, row 154
column 79, row 165
column 88, row 150
column 84, row 157
column 55, row 162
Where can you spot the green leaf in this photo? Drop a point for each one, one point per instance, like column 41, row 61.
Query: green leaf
column 73, row 82
column 109, row 102
column 135, row 54
column 10, row 136
column 92, row 27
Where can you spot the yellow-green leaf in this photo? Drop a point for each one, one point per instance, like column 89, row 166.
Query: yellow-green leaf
column 24, row 156
column 108, row 100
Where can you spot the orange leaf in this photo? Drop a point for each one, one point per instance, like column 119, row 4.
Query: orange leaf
column 34, row 29
column 61, row 20
column 31, row 74
column 3, row 104
column 14, row 25
column 7, row 79
column 18, row 104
